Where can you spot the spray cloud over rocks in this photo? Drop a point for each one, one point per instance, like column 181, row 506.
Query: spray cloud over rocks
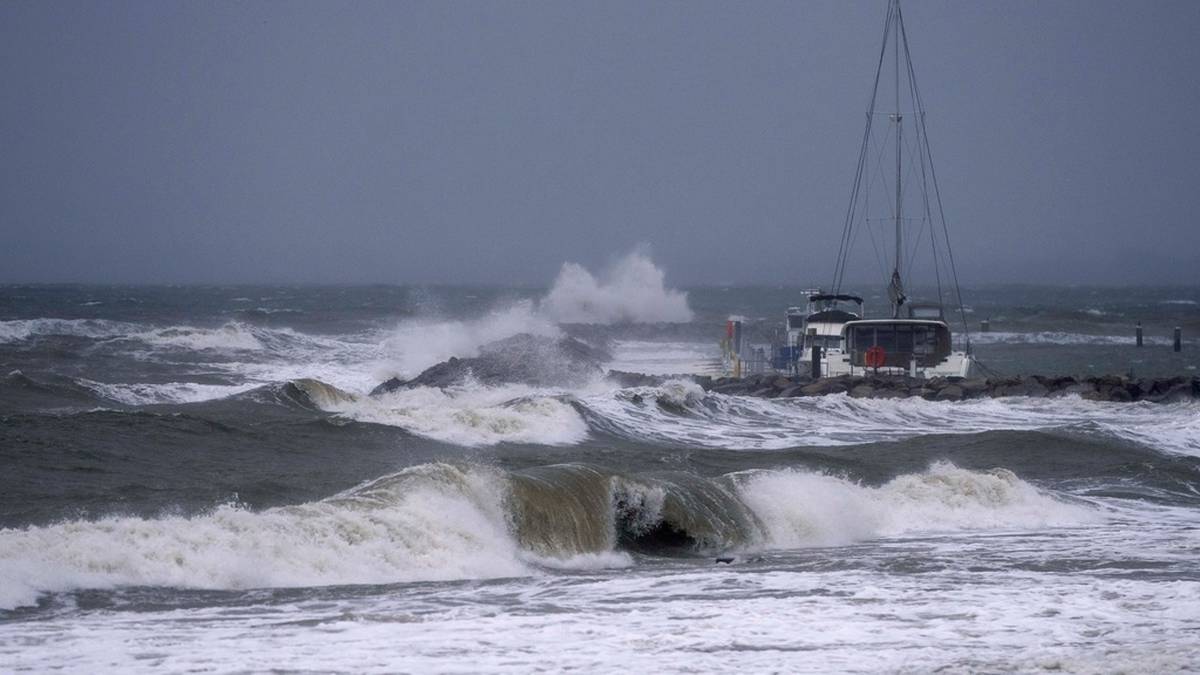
column 633, row 291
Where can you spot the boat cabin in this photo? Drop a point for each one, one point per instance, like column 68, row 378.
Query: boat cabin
column 822, row 325
column 902, row 340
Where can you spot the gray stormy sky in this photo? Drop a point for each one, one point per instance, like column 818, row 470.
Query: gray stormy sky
column 491, row 141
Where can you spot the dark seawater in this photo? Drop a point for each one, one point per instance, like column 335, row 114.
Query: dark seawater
column 195, row 479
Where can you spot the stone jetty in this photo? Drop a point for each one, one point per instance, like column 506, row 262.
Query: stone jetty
column 1098, row 388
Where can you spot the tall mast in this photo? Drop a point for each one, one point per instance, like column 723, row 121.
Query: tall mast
column 893, row 29
column 896, row 287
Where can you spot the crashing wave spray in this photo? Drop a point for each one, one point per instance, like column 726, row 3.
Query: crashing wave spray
column 418, row 344
column 633, row 291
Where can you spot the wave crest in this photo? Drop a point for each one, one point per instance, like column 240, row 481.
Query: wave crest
column 442, row 521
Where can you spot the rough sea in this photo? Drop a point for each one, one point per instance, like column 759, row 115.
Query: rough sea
column 195, row 479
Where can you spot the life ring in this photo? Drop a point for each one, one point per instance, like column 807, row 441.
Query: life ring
column 875, row 357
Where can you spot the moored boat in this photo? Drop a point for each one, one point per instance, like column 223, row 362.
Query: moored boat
column 916, row 338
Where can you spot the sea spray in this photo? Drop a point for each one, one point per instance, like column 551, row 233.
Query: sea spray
column 633, row 291
column 417, row 344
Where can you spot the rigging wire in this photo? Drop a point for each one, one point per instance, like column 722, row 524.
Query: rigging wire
column 933, row 176
column 866, row 207
column 840, row 267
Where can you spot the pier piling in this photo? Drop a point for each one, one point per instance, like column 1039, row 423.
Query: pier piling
column 1178, row 339
column 1139, row 333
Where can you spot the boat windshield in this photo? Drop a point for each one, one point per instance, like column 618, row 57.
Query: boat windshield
column 926, row 342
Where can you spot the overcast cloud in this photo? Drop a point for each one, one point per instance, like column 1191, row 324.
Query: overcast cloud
column 491, row 141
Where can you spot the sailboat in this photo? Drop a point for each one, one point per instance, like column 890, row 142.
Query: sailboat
column 833, row 336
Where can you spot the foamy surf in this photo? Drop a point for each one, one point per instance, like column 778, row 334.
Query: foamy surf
column 441, row 521
column 431, row 522
column 798, row 508
column 680, row 412
column 470, row 415
column 138, row 394
column 24, row 329
column 1062, row 338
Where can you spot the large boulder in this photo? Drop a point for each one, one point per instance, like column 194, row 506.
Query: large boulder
column 950, row 392
column 973, row 387
column 525, row 359
column 833, row 385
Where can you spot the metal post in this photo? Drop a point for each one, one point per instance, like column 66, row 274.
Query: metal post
column 985, row 326
column 1139, row 333
column 816, row 362
column 1178, row 339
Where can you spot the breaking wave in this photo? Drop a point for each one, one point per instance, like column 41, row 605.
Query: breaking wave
column 680, row 412
column 417, row 344
column 140, row 393
column 633, row 291
column 442, row 521
column 470, row 415
column 799, row 508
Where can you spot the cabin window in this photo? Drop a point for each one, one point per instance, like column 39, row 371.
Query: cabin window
column 901, row 342
column 795, row 321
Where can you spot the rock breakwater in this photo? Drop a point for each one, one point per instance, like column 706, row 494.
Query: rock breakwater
column 1114, row 388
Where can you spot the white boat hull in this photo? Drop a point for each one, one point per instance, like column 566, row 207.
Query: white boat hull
column 836, row 362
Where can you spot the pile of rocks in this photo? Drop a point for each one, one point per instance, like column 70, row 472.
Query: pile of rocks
column 1101, row 388
column 526, row 359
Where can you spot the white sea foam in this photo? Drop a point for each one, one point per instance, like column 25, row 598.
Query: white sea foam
column 142, row 393
column 1062, row 338
column 681, row 412
column 440, row 521
column 232, row 336
column 471, row 414
column 799, row 508
column 633, row 291
column 417, row 344
column 24, row 329
column 665, row 358
column 429, row 522
column 695, row 618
